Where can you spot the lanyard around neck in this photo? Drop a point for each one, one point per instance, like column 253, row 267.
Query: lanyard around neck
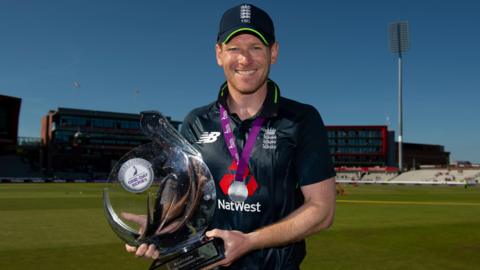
column 242, row 161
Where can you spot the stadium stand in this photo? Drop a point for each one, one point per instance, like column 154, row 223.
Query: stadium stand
column 365, row 174
column 352, row 176
column 439, row 176
column 448, row 176
column 417, row 175
column 14, row 166
column 378, row 176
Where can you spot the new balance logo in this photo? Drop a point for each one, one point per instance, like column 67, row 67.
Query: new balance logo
column 208, row 137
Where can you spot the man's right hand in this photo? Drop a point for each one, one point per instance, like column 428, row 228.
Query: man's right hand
column 144, row 250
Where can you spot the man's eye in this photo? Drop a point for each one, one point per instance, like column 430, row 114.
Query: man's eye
column 257, row 48
column 232, row 49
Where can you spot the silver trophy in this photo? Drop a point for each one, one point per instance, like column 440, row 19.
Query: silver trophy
column 162, row 193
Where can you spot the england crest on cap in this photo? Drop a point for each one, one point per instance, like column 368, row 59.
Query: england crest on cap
column 245, row 13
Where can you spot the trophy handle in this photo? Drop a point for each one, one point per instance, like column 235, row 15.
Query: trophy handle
column 155, row 126
column 125, row 232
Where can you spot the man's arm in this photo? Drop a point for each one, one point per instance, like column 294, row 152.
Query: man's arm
column 314, row 215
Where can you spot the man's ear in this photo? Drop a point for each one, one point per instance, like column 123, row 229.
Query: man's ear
column 274, row 52
column 218, row 52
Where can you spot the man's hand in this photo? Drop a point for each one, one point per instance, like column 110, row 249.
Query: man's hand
column 316, row 214
column 236, row 245
column 144, row 250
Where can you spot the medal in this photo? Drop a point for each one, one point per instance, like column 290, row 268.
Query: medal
column 238, row 191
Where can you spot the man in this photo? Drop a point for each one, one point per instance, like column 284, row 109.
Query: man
column 268, row 154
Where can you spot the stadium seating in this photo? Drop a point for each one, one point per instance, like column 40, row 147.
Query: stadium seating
column 14, row 166
column 438, row 175
column 349, row 176
column 423, row 176
column 378, row 176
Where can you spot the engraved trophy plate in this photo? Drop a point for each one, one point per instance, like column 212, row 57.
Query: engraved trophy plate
column 162, row 193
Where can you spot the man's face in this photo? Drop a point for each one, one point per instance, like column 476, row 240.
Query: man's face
column 246, row 62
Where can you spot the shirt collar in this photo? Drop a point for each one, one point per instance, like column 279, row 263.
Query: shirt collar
column 270, row 104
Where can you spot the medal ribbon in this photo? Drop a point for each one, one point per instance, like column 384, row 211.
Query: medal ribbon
column 242, row 162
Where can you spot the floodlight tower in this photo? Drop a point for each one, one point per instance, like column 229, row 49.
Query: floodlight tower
column 399, row 43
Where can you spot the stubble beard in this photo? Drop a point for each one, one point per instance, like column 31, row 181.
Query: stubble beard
column 251, row 91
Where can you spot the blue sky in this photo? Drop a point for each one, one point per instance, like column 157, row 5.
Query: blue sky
column 129, row 56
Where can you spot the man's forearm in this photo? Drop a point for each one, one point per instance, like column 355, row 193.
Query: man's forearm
column 314, row 215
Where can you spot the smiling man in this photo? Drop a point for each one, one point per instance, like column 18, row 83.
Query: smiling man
column 268, row 154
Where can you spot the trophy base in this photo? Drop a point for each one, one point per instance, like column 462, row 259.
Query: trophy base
column 201, row 256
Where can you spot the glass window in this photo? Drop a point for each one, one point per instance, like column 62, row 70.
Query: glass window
column 136, row 124
column 73, row 121
column 63, row 136
column 108, row 123
column 98, row 123
column 122, row 124
column 96, row 141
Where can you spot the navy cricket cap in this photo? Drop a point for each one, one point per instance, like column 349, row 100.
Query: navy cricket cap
column 246, row 18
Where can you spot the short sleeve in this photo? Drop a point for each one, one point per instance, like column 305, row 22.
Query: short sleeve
column 187, row 129
column 313, row 161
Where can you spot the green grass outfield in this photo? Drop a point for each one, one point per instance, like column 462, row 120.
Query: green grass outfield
column 61, row 226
